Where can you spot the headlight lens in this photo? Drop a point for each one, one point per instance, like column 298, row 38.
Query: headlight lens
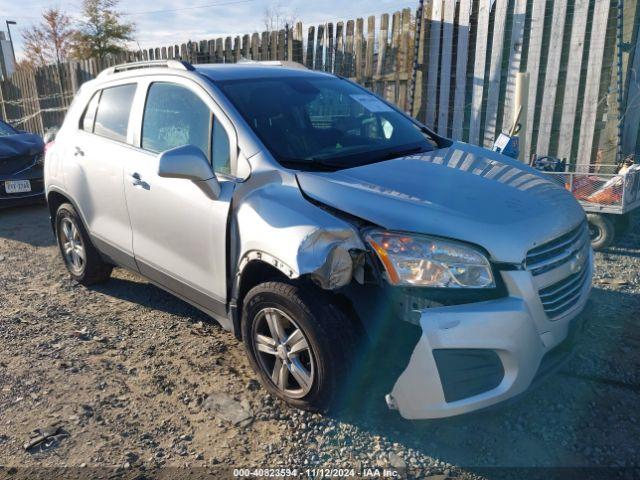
column 422, row 261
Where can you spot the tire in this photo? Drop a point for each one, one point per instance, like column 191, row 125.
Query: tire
column 328, row 333
column 602, row 230
column 82, row 260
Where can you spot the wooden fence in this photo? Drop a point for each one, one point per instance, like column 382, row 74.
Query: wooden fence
column 454, row 69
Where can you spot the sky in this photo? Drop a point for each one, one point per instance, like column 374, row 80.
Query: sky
column 165, row 22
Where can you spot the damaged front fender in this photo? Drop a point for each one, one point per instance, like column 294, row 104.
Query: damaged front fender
column 328, row 257
column 276, row 224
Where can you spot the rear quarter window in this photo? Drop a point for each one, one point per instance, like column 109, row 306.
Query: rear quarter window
column 112, row 116
column 89, row 115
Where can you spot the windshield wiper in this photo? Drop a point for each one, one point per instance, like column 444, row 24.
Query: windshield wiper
column 403, row 153
column 313, row 164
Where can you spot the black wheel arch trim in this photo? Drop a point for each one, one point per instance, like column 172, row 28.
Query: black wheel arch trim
column 70, row 200
column 252, row 257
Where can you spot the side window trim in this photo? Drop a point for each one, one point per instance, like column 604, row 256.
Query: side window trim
column 212, row 119
column 215, row 122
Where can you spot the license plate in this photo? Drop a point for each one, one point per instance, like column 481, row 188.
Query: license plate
column 17, row 186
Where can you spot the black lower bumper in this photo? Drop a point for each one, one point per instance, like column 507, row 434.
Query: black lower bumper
column 36, row 195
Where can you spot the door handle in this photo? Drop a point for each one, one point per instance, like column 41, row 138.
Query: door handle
column 79, row 152
column 135, row 178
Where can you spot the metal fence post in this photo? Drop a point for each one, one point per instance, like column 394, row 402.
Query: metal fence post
column 416, row 63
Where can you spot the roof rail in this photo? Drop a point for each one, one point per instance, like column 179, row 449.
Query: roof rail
column 273, row 63
column 175, row 64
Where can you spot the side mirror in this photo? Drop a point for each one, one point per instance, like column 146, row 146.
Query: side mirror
column 188, row 162
column 50, row 134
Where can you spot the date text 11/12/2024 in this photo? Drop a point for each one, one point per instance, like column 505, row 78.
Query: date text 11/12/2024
column 364, row 472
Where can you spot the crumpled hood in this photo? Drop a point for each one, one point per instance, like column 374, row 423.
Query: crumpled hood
column 20, row 144
column 462, row 192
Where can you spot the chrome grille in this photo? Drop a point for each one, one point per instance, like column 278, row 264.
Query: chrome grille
column 559, row 251
column 560, row 297
column 568, row 253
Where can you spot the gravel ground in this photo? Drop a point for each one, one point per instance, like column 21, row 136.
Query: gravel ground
column 133, row 381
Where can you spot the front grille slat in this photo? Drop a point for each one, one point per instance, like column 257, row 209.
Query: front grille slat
column 562, row 292
column 552, row 254
column 560, row 309
column 563, row 302
column 564, row 257
column 545, row 250
column 560, row 297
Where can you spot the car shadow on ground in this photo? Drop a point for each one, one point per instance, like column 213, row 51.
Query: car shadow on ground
column 139, row 291
column 577, row 417
column 25, row 224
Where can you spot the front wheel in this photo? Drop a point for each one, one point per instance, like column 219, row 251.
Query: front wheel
column 80, row 256
column 298, row 344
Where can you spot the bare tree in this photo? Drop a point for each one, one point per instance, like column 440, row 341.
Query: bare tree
column 50, row 41
column 276, row 17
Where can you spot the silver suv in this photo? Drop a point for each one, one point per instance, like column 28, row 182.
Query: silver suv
column 346, row 244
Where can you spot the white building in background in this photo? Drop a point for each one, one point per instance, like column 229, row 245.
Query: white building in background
column 7, row 65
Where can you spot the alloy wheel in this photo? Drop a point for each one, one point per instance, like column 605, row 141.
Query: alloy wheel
column 72, row 245
column 283, row 352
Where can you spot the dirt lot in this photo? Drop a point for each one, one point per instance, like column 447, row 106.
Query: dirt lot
column 129, row 376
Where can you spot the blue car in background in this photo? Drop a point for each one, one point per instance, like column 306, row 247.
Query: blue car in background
column 21, row 167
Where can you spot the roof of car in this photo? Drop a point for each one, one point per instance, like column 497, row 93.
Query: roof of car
column 216, row 72
column 241, row 71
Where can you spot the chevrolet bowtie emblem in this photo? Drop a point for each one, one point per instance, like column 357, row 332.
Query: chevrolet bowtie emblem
column 576, row 264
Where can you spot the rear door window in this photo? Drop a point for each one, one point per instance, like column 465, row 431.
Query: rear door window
column 112, row 117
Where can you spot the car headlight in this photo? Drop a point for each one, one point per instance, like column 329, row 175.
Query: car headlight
column 423, row 261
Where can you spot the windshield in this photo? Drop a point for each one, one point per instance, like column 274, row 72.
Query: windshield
column 323, row 122
column 6, row 130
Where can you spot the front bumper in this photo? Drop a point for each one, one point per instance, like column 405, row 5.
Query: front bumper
column 515, row 330
column 35, row 176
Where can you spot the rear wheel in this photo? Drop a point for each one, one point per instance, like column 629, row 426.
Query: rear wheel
column 80, row 256
column 298, row 343
column 601, row 229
